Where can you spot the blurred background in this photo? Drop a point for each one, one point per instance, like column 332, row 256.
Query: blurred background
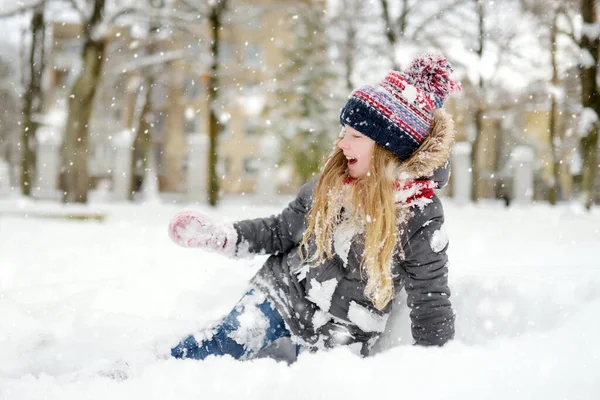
column 115, row 114
column 193, row 100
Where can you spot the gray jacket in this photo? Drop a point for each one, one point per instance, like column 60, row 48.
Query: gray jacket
column 325, row 306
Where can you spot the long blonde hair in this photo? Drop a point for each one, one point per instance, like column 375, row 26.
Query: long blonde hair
column 372, row 200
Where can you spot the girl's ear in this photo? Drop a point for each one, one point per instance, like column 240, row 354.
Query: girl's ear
column 435, row 149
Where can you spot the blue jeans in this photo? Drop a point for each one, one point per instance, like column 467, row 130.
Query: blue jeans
column 251, row 326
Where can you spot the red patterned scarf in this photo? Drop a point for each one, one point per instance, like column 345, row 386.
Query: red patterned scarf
column 410, row 191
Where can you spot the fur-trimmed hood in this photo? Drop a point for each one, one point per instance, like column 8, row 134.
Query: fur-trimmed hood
column 431, row 159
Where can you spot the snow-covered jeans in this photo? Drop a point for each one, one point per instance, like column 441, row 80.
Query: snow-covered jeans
column 251, row 326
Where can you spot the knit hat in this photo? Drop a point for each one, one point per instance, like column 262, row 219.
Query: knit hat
column 397, row 112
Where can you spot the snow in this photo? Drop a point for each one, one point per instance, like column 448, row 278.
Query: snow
column 342, row 237
column 124, row 138
column 587, row 59
column 522, row 154
column 592, row 31
column 90, row 310
column 439, row 239
column 462, row 148
column 365, row 319
column 587, row 120
column 321, row 293
column 253, row 323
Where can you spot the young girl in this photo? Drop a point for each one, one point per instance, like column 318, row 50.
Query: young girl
column 367, row 226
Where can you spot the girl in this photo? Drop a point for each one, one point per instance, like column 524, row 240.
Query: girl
column 367, row 226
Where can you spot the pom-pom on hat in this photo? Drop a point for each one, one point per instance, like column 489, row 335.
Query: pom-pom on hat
column 397, row 112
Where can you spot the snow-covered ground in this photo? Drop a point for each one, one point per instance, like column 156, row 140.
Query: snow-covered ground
column 84, row 305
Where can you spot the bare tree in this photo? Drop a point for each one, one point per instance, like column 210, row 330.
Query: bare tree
column 588, row 43
column 32, row 99
column 555, row 189
column 10, row 104
column 75, row 155
column 489, row 37
column 215, row 18
column 346, row 23
column 590, row 90
column 34, row 64
column 95, row 21
column 413, row 17
column 479, row 103
column 214, row 12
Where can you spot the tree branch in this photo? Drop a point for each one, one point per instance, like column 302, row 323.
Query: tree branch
column 436, row 15
column 77, row 8
column 20, row 9
column 571, row 33
column 160, row 14
column 386, row 19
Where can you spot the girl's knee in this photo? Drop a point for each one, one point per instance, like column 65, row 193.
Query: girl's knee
column 185, row 348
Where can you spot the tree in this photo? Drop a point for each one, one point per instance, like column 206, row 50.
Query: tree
column 303, row 105
column 95, row 21
column 10, row 105
column 141, row 150
column 590, row 91
column 347, row 32
column 498, row 50
column 417, row 21
column 588, row 42
column 75, row 146
column 214, row 12
column 215, row 18
column 555, row 136
column 32, row 102
column 34, row 65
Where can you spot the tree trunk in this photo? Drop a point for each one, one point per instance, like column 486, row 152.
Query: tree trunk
column 589, row 145
column 32, row 99
column 213, row 87
column 590, row 99
column 555, row 191
column 390, row 31
column 350, row 47
column 475, row 152
column 75, row 147
column 479, row 108
column 142, row 144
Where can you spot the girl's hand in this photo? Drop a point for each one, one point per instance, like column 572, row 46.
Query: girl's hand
column 193, row 229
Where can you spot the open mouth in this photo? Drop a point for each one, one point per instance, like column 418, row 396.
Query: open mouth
column 351, row 161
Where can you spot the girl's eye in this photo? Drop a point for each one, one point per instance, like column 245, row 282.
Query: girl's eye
column 356, row 136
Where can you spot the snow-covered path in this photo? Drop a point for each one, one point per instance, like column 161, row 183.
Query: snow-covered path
column 83, row 304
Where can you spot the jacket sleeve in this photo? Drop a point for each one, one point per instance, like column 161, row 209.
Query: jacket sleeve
column 426, row 284
column 277, row 233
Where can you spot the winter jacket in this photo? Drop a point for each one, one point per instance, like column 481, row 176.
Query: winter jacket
column 325, row 306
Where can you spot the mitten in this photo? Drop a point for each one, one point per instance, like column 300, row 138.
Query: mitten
column 193, row 229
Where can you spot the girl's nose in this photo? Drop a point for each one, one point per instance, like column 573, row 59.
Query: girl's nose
column 342, row 143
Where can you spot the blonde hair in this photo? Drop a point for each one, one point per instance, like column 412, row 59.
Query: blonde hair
column 372, row 201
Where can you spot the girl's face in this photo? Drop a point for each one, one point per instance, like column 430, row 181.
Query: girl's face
column 358, row 150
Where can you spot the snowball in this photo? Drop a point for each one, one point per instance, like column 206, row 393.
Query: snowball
column 321, row 293
column 439, row 240
column 319, row 319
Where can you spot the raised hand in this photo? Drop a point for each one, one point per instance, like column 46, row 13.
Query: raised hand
column 190, row 228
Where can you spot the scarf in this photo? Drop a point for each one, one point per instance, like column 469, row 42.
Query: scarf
column 411, row 192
